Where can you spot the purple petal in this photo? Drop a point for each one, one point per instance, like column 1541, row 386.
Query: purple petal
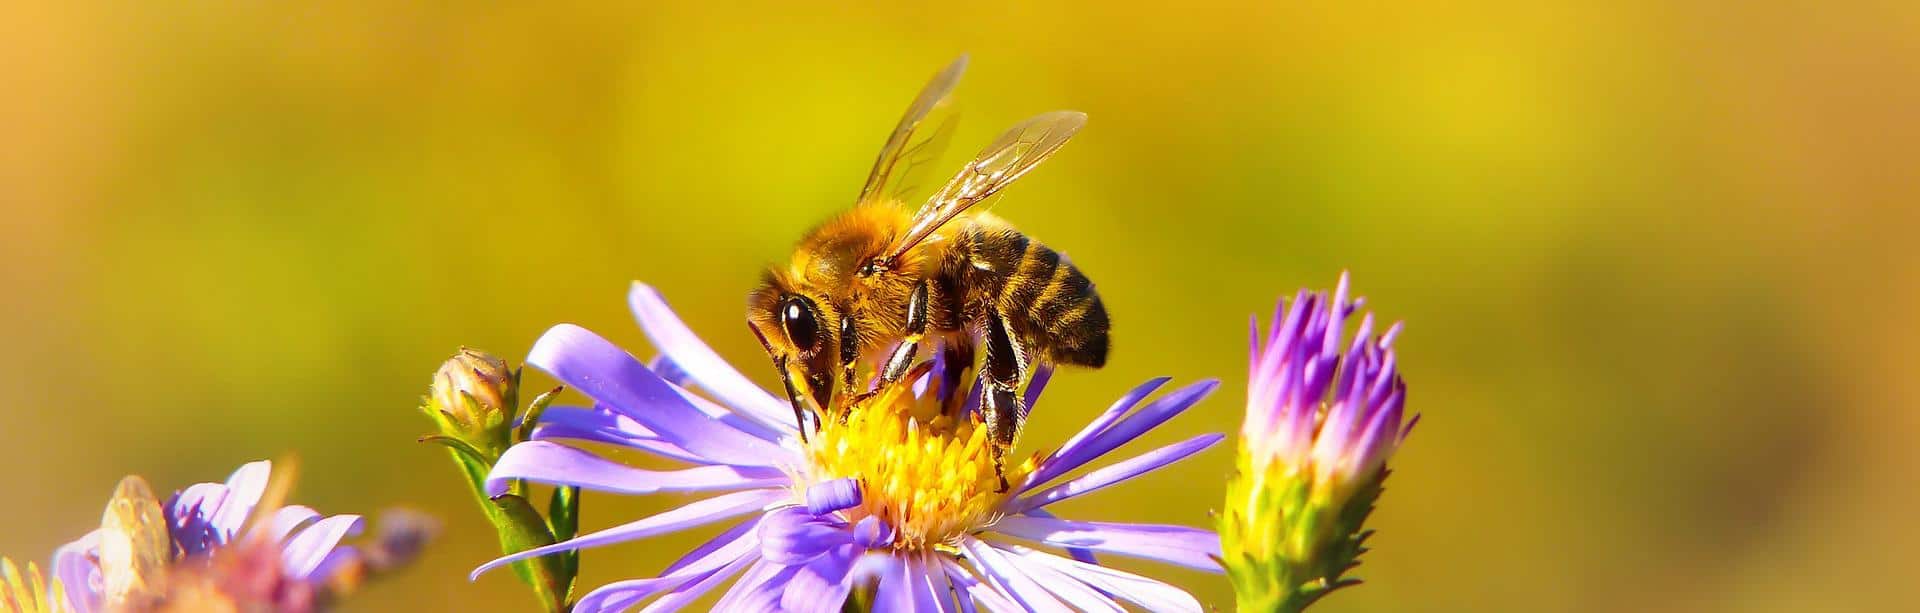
column 1078, row 553
column 1061, row 585
column 759, row 589
column 244, row 489
column 1117, row 472
column 1190, row 547
column 557, row 464
column 821, row 585
column 1011, row 581
column 1154, row 414
column 970, row 590
column 928, row 586
column 792, row 535
column 742, row 534
column 829, row 496
column 1120, row 407
column 302, row 555
column 693, row 590
column 872, row 533
column 287, row 519
column 1038, row 382
column 73, row 563
column 697, row 513
column 715, row 559
column 606, row 373
column 190, row 518
column 621, row 595
column 1149, row 594
column 602, row 425
column 672, row 337
column 894, row 594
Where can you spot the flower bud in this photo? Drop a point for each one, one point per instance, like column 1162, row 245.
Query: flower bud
column 473, row 399
column 1320, row 427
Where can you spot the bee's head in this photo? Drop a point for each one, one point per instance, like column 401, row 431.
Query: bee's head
column 799, row 330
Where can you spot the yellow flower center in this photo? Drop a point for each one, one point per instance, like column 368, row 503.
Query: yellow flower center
column 928, row 476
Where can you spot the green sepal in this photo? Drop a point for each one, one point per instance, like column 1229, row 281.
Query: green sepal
column 534, row 410
column 463, row 451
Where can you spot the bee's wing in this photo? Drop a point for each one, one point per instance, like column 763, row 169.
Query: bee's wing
column 894, row 171
column 1017, row 151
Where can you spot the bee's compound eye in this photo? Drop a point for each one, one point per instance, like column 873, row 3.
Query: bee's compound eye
column 796, row 315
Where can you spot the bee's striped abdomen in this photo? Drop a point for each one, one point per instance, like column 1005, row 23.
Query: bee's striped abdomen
column 1051, row 306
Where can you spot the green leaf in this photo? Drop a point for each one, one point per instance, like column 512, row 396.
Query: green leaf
column 563, row 517
column 521, row 528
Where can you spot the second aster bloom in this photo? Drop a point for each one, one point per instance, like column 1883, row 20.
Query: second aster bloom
column 1320, row 425
column 894, row 500
column 230, row 543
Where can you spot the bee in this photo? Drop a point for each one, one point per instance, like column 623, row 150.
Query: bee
column 877, row 277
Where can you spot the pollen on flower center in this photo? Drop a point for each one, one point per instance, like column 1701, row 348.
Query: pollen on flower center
column 931, row 479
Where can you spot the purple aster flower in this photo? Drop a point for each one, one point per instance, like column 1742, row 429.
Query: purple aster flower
column 1320, row 426
column 894, row 498
column 205, row 523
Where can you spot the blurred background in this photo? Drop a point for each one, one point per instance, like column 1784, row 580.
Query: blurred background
column 1653, row 258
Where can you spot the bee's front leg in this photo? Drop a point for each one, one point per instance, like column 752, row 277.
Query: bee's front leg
column 901, row 360
column 1000, row 375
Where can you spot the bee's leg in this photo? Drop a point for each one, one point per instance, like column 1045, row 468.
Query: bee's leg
column 902, row 358
column 999, row 403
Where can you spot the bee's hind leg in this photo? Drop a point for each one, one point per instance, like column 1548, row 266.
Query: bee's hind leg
column 1000, row 403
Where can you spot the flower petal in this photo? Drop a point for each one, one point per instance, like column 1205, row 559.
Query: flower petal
column 556, row 464
column 1008, row 578
column 190, row 516
column 1066, row 587
column 607, row 374
column 968, row 589
column 714, row 558
column 792, row 535
column 829, row 496
column 74, row 565
column 697, row 513
column 1117, row 472
column 894, row 594
column 1044, row 473
column 1149, row 594
column 742, row 535
column 759, row 589
column 602, row 425
column 672, row 337
column 821, row 585
column 1150, row 416
column 693, row 590
column 1190, row 547
column 303, row 554
column 287, row 519
column 1078, row 553
column 244, row 489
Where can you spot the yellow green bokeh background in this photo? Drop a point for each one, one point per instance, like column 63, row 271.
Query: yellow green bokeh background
column 1655, row 259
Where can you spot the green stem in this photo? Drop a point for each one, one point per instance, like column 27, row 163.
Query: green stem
column 520, row 528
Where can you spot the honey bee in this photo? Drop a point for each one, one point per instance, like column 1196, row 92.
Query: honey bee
column 877, row 276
